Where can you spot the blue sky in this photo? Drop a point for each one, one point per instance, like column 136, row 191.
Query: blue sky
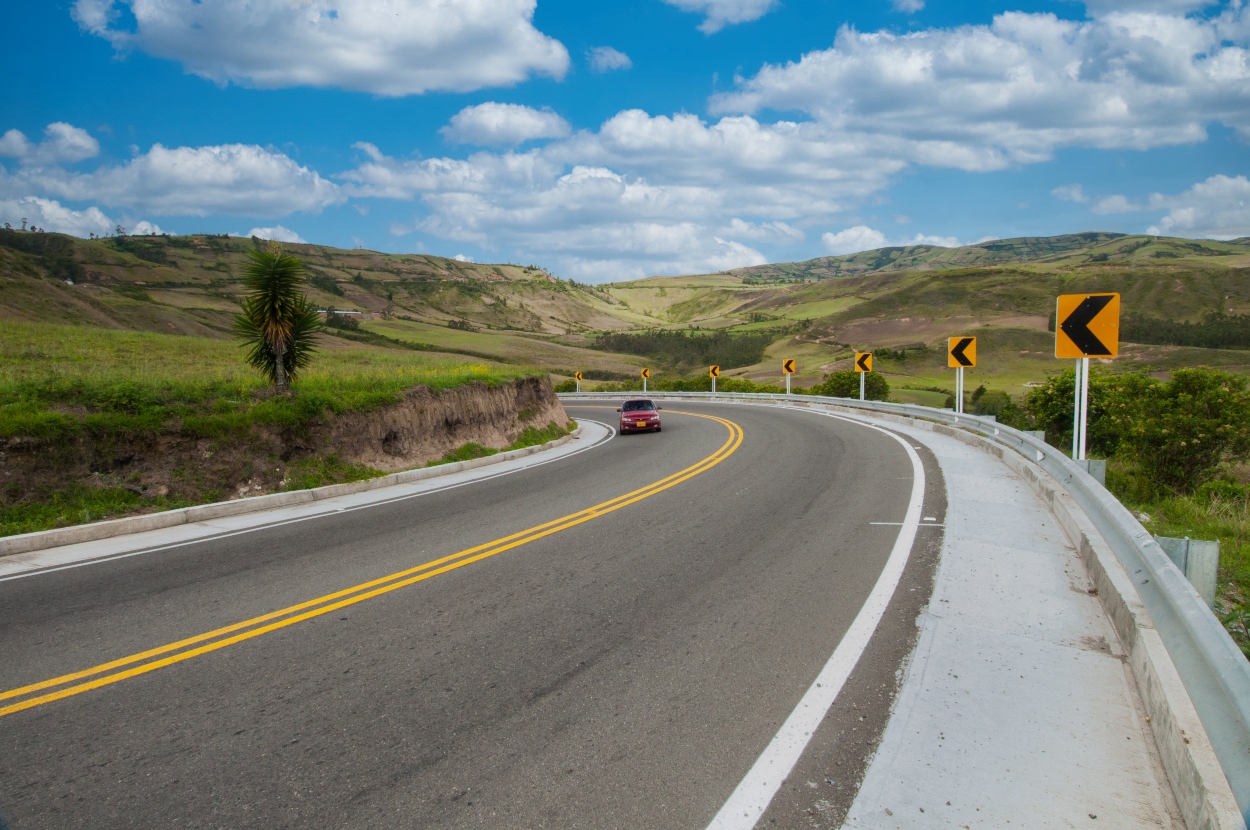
column 618, row 140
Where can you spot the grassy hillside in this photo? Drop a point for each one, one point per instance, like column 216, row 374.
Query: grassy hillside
column 1070, row 249
column 893, row 299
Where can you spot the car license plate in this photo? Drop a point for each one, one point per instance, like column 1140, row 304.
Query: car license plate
column 640, row 424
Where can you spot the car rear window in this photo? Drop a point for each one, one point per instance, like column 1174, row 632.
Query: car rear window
column 634, row 406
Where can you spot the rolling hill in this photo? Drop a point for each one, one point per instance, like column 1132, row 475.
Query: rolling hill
column 901, row 302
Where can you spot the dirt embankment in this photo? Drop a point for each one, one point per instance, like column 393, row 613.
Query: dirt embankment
column 425, row 426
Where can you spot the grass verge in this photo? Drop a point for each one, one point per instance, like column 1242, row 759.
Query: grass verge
column 78, row 505
column 529, row 437
column 1217, row 511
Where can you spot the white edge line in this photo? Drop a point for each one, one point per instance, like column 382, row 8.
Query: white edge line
column 328, row 512
column 755, row 792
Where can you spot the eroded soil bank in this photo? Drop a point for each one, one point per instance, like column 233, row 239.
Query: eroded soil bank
column 66, row 481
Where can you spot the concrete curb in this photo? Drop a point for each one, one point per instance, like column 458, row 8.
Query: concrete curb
column 1198, row 781
column 44, row 539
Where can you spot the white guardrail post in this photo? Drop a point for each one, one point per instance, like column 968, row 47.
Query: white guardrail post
column 1215, row 672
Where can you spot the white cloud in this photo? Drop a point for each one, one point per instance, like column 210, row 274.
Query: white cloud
column 863, row 238
column 503, row 124
column 722, row 13
column 386, row 47
column 277, row 233
column 51, row 215
column 1114, row 204
column 1218, row 208
column 61, row 143
column 146, row 228
column 986, row 97
column 1070, row 193
column 853, row 240
column 241, row 179
column 908, row 6
column 778, row 232
column 605, row 59
column 462, row 258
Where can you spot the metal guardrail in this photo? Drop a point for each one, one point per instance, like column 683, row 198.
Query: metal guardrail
column 1215, row 672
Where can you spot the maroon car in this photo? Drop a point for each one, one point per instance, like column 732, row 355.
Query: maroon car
column 639, row 415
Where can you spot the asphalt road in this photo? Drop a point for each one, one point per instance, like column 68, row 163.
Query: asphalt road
column 622, row 672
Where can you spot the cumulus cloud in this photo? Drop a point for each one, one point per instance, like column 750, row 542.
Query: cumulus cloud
column 146, row 228
column 643, row 193
column 503, row 124
column 1070, row 193
column 61, row 143
column 51, row 215
column 722, row 13
column 277, row 233
column 1218, row 208
column 863, row 238
column 852, row 240
column 385, row 47
column 242, row 179
column 462, row 258
column 908, row 6
column 605, row 59
column 983, row 97
column 593, row 222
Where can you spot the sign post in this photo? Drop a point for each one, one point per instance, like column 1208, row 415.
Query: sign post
column 578, row 378
column 715, row 373
column 787, row 368
column 1087, row 325
column 863, row 365
column 961, row 353
column 646, row 373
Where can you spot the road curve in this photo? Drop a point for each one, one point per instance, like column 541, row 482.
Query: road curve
column 426, row 664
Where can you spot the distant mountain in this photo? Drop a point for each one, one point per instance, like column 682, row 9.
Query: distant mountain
column 1069, row 249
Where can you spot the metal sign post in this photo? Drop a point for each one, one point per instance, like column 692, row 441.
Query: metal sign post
column 715, row 373
column 861, row 385
column 646, row 373
column 1080, row 408
column 578, row 377
column 959, row 390
column 788, row 368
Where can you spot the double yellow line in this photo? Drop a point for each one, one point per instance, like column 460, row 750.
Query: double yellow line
column 114, row 671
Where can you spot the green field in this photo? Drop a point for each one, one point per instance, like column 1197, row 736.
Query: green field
column 58, row 380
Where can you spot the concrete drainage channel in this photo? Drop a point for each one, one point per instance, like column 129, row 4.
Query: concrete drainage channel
column 1193, row 680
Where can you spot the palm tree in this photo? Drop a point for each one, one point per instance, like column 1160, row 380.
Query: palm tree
column 278, row 322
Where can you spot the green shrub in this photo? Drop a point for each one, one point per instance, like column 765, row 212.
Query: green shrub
column 1180, row 432
column 845, row 384
column 1112, row 398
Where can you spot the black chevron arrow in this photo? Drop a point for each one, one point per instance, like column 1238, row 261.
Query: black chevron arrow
column 1076, row 326
column 863, row 357
column 958, row 351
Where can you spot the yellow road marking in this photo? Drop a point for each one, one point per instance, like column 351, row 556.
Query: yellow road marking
column 350, row 596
